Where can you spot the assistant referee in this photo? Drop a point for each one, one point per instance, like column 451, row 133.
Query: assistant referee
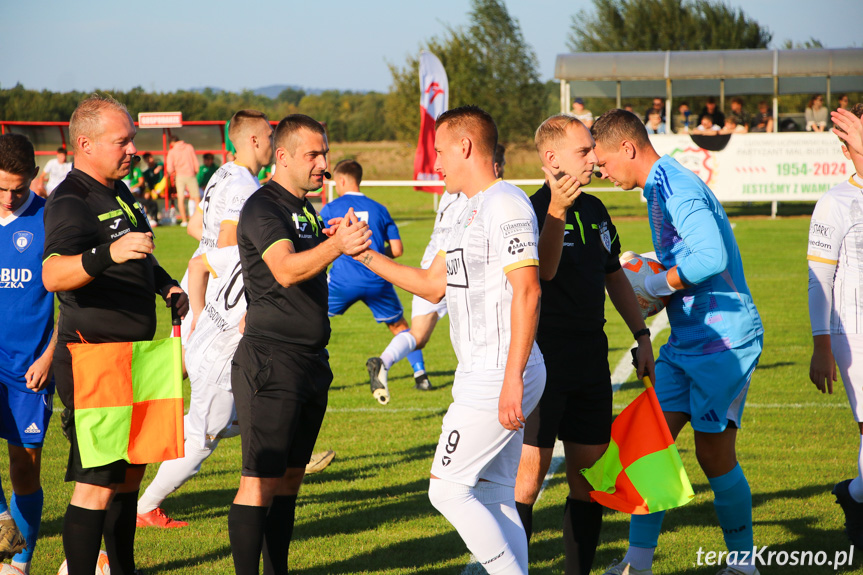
column 98, row 256
column 280, row 374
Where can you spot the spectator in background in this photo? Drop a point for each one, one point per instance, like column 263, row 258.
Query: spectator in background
column 584, row 115
column 842, row 102
column 182, row 167
column 153, row 170
column 742, row 119
column 138, row 187
column 135, row 179
column 658, row 106
column 154, row 174
column 706, row 127
column 266, row 173
column 55, row 170
column 816, row 115
column 627, row 107
column 732, row 127
column 710, row 108
column 206, row 171
column 681, row 120
column 763, row 120
column 654, row 124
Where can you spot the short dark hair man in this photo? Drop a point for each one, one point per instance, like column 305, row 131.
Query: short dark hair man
column 703, row 372
column 27, row 349
column 578, row 261
column 487, row 268
column 280, row 374
column 106, row 276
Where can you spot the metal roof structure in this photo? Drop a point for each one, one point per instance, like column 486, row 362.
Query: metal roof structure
column 709, row 73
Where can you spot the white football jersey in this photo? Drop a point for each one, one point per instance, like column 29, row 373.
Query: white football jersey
column 224, row 197
column 448, row 209
column 211, row 346
column 836, row 238
column 496, row 233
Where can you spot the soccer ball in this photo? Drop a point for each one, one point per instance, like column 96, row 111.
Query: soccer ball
column 7, row 569
column 102, row 567
column 637, row 268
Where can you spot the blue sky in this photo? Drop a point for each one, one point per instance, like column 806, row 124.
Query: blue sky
column 181, row 44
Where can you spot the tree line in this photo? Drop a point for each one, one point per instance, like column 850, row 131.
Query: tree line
column 488, row 62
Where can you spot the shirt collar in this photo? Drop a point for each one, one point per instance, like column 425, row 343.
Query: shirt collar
column 17, row 213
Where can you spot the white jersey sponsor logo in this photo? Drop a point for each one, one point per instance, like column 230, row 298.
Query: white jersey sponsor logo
column 478, row 257
column 836, row 237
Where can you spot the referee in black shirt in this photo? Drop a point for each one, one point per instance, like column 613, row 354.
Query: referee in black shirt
column 578, row 261
column 280, row 374
column 98, row 257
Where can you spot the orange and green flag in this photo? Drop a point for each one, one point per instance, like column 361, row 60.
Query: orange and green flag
column 128, row 401
column 641, row 471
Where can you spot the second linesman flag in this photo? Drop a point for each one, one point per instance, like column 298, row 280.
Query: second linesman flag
column 434, row 101
column 641, row 471
column 128, row 401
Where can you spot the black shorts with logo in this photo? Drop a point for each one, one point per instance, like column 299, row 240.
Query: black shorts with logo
column 576, row 403
column 281, row 397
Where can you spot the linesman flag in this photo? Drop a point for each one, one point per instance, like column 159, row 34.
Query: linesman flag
column 128, row 401
column 641, row 471
column 434, row 101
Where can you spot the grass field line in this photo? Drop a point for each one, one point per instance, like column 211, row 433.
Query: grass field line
column 621, row 372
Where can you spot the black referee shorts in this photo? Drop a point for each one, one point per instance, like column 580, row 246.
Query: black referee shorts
column 103, row 475
column 281, row 399
column 576, row 403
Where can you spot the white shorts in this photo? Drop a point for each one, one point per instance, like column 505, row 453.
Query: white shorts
column 420, row 306
column 847, row 348
column 211, row 415
column 473, row 445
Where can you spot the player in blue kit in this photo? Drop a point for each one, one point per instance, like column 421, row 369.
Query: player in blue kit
column 26, row 385
column 703, row 372
column 350, row 282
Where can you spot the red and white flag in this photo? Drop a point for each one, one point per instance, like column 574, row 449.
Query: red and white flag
column 434, row 100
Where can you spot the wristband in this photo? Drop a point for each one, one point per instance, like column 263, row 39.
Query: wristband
column 97, row 260
column 641, row 332
column 658, row 286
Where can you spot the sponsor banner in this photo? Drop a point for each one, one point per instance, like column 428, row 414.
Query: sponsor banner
column 160, row 119
column 761, row 167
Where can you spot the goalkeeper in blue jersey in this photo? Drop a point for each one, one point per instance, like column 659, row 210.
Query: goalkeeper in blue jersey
column 703, row 372
column 349, row 281
column 28, row 342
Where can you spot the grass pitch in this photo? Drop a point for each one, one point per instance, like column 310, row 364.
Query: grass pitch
column 369, row 513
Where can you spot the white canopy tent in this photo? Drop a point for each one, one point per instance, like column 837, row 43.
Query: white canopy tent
column 669, row 74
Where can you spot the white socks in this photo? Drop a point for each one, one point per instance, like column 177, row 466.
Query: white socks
column 173, row 474
column 398, row 349
column 5, row 515
column 639, row 557
column 487, row 521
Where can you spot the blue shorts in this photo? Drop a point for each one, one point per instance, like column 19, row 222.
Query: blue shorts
column 381, row 299
column 711, row 388
column 24, row 416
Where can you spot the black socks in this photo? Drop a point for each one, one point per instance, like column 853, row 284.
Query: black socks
column 82, row 539
column 581, row 524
